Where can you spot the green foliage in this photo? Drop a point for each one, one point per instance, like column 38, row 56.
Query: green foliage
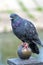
column 26, row 10
column 23, row 7
column 7, row 11
column 31, row 16
column 40, row 9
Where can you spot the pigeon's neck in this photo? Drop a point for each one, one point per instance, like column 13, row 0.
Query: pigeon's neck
column 17, row 18
column 17, row 22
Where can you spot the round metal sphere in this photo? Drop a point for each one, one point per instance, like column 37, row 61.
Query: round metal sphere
column 24, row 53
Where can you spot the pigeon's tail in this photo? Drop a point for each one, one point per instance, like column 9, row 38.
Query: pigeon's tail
column 37, row 41
column 33, row 45
column 34, row 48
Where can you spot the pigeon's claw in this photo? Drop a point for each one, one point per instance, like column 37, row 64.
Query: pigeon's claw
column 25, row 45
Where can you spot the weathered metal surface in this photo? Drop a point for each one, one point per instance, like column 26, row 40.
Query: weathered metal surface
column 18, row 61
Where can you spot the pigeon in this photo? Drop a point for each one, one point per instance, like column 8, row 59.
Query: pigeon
column 25, row 31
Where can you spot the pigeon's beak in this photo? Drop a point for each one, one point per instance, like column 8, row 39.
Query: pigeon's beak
column 11, row 18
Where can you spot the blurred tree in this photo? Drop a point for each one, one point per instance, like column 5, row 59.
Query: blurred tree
column 38, row 8
column 25, row 10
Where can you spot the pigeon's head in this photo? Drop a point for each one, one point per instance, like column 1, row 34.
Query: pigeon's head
column 14, row 20
column 13, row 16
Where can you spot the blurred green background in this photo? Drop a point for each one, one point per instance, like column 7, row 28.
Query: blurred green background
column 29, row 9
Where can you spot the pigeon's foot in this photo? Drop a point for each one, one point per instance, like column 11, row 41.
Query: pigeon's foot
column 24, row 44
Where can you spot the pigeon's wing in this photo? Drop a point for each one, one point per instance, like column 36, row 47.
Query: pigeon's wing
column 32, row 37
column 30, row 30
column 31, row 33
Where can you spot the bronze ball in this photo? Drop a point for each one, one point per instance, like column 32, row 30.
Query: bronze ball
column 24, row 53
